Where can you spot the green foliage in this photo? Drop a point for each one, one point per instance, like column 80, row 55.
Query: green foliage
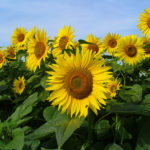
column 131, row 94
column 29, row 122
column 113, row 147
column 102, row 127
column 61, row 124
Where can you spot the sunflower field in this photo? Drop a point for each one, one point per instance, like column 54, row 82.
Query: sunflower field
column 64, row 94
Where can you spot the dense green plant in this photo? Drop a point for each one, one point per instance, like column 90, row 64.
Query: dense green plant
column 29, row 122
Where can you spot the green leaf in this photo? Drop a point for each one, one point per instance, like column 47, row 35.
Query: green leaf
column 58, row 122
column 44, row 130
column 43, row 82
column 32, row 145
column 4, row 97
column 131, row 94
column 83, row 42
column 51, row 113
column 23, row 109
column 3, row 88
column 16, row 143
column 128, row 108
column 30, row 80
column 113, row 147
column 66, row 129
column 146, row 99
column 102, row 127
column 116, row 67
column 143, row 142
column 3, row 82
column 124, row 134
column 54, row 118
column 43, row 95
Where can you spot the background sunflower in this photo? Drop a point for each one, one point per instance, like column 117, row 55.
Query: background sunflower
column 64, row 40
column 111, row 42
column 96, row 45
column 38, row 50
column 2, row 58
column 19, row 38
column 19, row 85
column 144, row 22
column 130, row 50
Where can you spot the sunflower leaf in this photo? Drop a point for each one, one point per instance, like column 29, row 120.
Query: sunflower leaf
column 17, row 141
column 132, row 94
column 23, row 109
column 113, row 147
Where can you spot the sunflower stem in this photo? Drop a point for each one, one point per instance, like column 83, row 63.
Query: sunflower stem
column 89, row 129
column 116, row 128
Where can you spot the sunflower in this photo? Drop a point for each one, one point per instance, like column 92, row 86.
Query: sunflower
column 78, row 83
column 38, row 50
column 144, row 22
column 146, row 42
column 2, row 58
column 19, row 85
column 63, row 41
column 19, row 38
column 113, row 87
column 10, row 52
column 31, row 33
column 96, row 45
column 130, row 50
column 111, row 42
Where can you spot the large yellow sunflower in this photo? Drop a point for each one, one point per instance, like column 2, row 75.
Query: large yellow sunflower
column 130, row 50
column 78, row 83
column 19, row 85
column 63, row 41
column 10, row 52
column 2, row 58
column 146, row 42
column 144, row 22
column 111, row 42
column 19, row 38
column 96, row 45
column 38, row 50
column 113, row 87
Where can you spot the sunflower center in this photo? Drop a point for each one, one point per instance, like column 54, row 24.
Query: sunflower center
column 93, row 47
column 1, row 58
column 147, row 50
column 20, row 37
column 63, row 42
column 113, row 89
column 79, row 84
column 148, row 22
column 112, row 43
column 39, row 49
column 20, row 85
column 131, row 50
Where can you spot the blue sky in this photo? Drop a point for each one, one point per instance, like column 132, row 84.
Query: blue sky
column 85, row 16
